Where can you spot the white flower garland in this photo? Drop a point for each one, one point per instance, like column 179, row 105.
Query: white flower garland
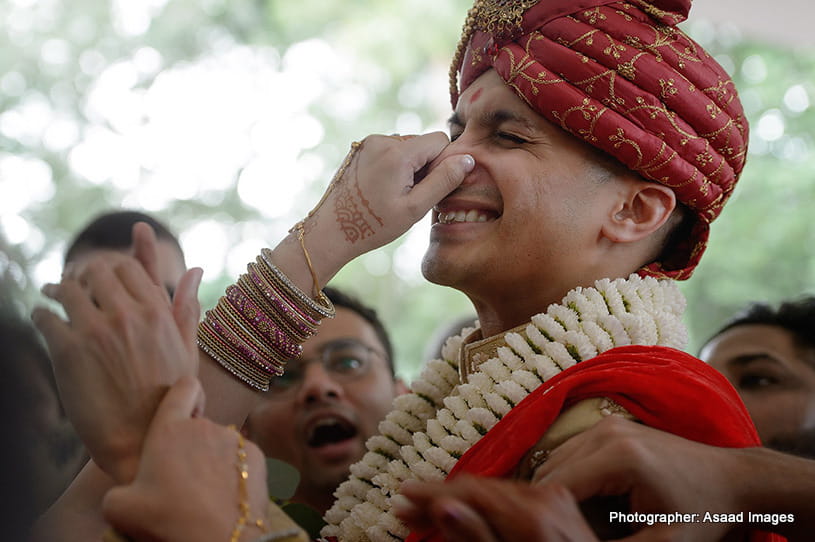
column 431, row 428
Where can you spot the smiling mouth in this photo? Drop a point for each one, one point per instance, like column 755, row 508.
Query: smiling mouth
column 472, row 215
column 330, row 431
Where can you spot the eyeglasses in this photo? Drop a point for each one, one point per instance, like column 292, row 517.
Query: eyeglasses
column 343, row 359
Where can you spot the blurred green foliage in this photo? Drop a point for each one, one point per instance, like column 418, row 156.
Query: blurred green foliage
column 762, row 247
column 52, row 56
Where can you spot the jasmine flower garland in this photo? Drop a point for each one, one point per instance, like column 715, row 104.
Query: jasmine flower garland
column 432, row 427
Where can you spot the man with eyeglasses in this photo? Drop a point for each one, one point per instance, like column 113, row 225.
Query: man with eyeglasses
column 318, row 415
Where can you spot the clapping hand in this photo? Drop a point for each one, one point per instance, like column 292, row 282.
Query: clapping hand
column 123, row 345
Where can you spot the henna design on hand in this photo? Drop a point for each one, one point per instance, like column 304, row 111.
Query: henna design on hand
column 349, row 217
column 365, row 202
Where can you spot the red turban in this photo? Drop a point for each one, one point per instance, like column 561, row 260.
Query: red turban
column 620, row 76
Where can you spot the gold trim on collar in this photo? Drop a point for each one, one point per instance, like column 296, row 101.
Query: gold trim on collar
column 475, row 350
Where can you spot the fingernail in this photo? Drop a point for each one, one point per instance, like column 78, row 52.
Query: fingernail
column 469, row 162
column 49, row 290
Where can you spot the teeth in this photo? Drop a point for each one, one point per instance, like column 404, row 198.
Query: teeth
column 463, row 216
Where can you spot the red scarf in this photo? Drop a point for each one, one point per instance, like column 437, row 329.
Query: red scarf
column 664, row 388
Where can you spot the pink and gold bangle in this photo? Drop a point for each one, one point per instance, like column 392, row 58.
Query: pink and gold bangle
column 259, row 289
column 273, row 287
column 232, row 361
column 262, row 278
column 235, row 353
column 278, row 339
column 247, row 353
column 276, row 323
column 236, row 332
column 258, row 325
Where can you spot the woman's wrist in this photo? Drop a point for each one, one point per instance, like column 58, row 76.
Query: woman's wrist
column 324, row 248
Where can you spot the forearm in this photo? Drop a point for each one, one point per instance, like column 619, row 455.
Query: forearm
column 77, row 514
column 777, row 483
column 228, row 399
column 379, row 181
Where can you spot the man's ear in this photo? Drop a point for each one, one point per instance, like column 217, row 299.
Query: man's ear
column 642, row 210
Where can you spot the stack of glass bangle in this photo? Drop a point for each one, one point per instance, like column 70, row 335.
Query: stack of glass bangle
column 260, row 323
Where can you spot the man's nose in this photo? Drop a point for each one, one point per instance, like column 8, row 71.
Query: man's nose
column 459, row 146
column 318, row 384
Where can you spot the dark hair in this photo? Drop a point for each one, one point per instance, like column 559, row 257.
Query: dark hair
column 796, row 317
column 114, row 231
column 341, row 299
column 24, row 365
column 677, row 242
column 675, row 246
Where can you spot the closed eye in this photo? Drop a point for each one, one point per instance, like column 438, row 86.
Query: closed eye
column 511, row 138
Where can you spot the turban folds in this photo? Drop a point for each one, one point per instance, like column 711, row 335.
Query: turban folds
column 620, row 76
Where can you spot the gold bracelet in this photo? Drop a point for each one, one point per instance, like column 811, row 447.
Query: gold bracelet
column 243, row 492
column 300, row 227
column 301, row 236
column 324, row 309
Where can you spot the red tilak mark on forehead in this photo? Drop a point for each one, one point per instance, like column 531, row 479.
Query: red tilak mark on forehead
column 476, row 95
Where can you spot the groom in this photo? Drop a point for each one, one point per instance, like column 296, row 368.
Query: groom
column 592, row 145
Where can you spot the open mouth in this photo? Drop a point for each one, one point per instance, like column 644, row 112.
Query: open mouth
column 330, row 431
column 463, row 216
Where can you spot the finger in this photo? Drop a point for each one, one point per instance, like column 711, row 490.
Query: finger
column 56, row 331
column 421, row 493
column 145, row 249
column 458, row 522
column 78, row 305
column 577, row 448
column 424, row 505
column 596, row 462
column 181, row 401
column 408, row 512
column 412, row 503
column 516, row 511
column 443, row 179
column 559, row 518
column 138, row 283
column 589, row 477
column 186, row 307
column 103, row 285
column 424, row 149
